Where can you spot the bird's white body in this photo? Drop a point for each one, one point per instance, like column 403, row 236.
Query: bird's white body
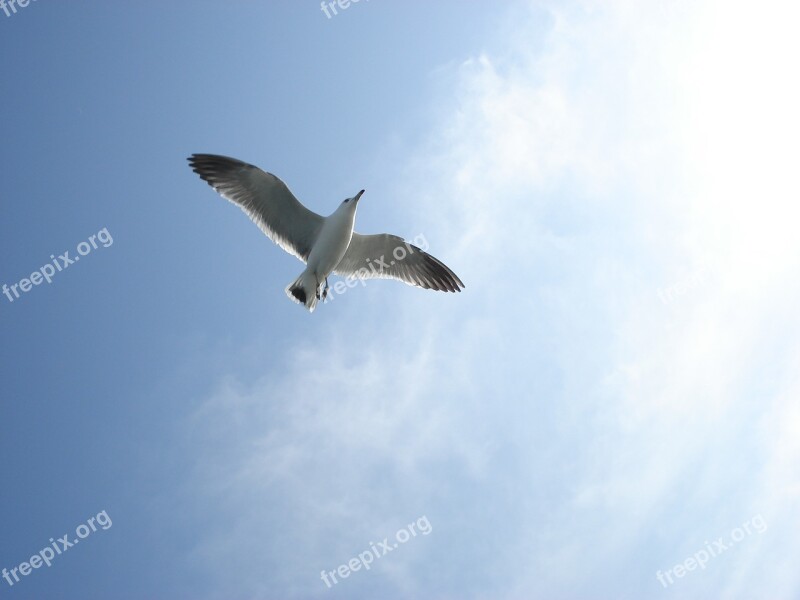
column 328, row 250
column 333, row 240
column 326, row 244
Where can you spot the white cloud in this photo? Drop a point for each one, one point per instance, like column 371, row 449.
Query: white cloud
column 570, row 431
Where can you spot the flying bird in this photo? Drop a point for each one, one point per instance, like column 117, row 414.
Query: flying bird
column 326, row 244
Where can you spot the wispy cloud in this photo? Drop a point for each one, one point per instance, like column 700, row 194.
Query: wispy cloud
column 563, row 428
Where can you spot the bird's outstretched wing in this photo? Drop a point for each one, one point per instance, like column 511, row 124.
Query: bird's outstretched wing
column 264, row 198
column 390, row 257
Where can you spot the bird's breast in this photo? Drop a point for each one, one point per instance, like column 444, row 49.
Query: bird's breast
column 332, row 243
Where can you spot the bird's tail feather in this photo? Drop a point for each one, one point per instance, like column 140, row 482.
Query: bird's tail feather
column 303, row 290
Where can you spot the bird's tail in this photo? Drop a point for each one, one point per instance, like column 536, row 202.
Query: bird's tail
column 303, row 290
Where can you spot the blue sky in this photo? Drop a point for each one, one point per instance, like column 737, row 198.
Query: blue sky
column 615, row 391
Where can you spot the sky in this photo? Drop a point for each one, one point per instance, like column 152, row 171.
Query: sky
column 609, row 409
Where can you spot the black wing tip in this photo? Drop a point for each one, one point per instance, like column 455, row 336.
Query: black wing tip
column 214, row 169
column 207, row 159
column 447, row 276
column 216, row 162
column 196, row 156
column 440, row 277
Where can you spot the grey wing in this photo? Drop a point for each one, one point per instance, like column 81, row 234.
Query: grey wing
column 264, row 198
column 390, row 257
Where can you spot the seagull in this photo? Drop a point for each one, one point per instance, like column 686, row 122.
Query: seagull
column 326, row 244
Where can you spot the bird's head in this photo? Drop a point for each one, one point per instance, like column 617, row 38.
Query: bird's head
column 351, row 203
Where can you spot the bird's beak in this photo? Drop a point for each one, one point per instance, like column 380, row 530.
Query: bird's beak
column 358, row 195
